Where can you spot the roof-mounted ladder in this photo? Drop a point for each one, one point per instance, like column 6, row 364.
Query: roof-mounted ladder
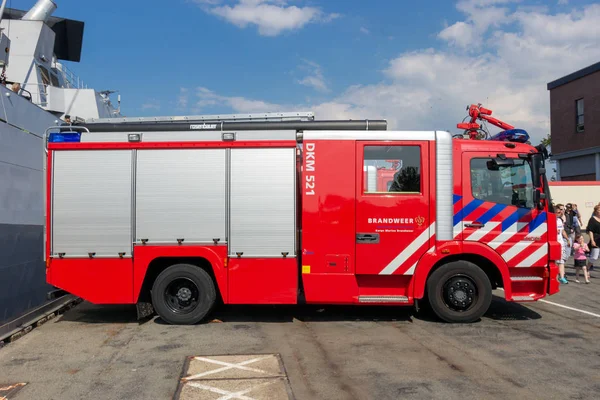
column 256, row 117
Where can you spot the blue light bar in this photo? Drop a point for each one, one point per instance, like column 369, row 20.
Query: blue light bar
column 511, row 135
column 65, row 137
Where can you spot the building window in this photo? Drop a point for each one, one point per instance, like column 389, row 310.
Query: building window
column 392, row 169
column 579, row 112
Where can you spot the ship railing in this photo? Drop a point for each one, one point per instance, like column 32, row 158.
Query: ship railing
column 36, row 93
column 71, row 80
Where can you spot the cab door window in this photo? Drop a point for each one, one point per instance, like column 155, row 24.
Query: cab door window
column 510, row 185
column 392, row 169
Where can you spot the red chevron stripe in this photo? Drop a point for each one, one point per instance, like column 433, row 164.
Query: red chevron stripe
column 478, row 212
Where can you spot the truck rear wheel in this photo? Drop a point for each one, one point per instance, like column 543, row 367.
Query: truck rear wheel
column 183, row 294
column 459, row 292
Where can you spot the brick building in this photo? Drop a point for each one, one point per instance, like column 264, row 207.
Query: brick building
column 575, row 124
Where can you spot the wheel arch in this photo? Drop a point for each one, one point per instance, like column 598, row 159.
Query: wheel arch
column 481, row 255
column 151, row 262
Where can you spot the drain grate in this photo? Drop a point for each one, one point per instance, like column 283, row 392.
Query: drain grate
column 8, row 391
column 248, row 377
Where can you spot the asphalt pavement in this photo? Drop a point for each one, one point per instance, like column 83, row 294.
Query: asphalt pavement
column 526, row 351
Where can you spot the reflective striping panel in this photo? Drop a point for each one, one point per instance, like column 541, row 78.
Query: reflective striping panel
column 444, row 186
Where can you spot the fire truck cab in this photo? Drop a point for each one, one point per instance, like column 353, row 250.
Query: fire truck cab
column 281, row 209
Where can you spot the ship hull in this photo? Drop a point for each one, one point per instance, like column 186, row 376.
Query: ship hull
column 23, row 284
column 22, row 272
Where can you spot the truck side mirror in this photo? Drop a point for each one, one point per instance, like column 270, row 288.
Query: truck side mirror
column 537, row 163
column 538, row 198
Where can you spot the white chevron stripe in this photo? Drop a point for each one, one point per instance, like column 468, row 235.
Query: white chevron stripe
column 409, row 250
column 522, row 245
column 534, row 257
column 507, row 234
column 411, row 270
column 481, row 232
column 511, row 231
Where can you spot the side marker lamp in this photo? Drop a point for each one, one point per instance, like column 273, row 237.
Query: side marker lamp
column 134, row 137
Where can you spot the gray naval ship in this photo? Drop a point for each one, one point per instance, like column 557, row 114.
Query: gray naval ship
column 37, row 91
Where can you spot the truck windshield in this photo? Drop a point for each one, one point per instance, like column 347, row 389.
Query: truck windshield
column 510, row 185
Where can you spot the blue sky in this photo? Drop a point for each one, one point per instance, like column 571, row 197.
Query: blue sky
column 417, row 64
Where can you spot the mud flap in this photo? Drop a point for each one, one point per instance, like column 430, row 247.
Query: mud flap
column 553, row 284
column 144, row 309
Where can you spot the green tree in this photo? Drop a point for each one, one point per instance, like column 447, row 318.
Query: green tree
column 406, row 180
column 546, row 141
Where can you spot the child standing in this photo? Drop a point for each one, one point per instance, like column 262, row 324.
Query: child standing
column 580, row 248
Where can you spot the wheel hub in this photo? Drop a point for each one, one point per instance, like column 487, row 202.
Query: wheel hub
column 184, row 294
column 460, row 293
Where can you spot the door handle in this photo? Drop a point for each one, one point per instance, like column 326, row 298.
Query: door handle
column 367, row 238
column 475, row 225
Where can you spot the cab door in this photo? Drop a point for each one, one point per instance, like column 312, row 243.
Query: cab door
column 499, row 211
column 393, row 227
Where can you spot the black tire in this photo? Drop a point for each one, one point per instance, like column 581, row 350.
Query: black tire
column 183, row 294
column 459, row 292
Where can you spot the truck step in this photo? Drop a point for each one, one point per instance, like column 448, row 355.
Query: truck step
column 526, row 278
column 383, row 299
column 523, row 298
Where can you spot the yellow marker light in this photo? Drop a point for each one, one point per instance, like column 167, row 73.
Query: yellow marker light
column 446, row 251
column 306, row 269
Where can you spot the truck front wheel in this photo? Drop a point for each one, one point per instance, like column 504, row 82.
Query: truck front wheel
column 183, row 294
column 459, row 292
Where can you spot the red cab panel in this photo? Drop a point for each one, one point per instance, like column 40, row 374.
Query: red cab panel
column 263, row 281
column 328, row 213
column 330, row 288
column 393, row 222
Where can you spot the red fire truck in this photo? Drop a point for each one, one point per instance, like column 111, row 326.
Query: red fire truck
column 177, row 214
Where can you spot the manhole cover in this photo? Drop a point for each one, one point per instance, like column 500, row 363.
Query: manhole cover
column 8, row 391
column 248, row 377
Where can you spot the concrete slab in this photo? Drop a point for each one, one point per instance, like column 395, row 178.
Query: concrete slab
column 247, row 389
column 244, row 376
column 234, row 367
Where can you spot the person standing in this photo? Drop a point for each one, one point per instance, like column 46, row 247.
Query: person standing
column 563, row 239
column 571, row 222
column 579, row 249
column 577, row 222
column 593, row 230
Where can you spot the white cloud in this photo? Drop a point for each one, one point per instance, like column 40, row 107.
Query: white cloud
column 429, row 89
column 272, row 17
column 315, row 78
column 151, row 104
column 207, row 97
column 364, row 30
column 182, row 100
column 482, row 15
